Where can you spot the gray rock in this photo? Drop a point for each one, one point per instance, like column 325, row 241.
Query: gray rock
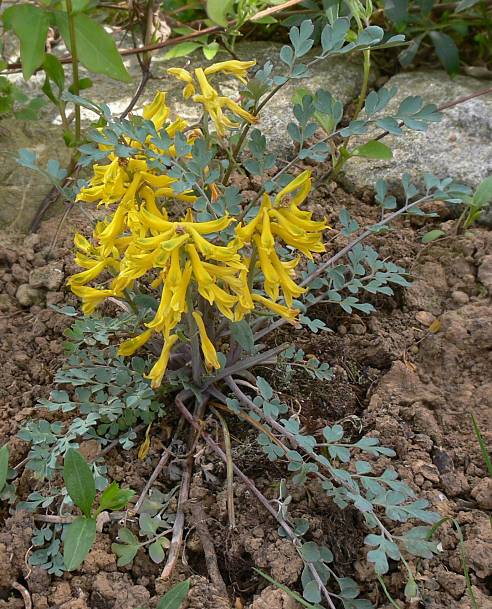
column 458, row 146
column 22, row 190
column 27, row 295
column 49, row 277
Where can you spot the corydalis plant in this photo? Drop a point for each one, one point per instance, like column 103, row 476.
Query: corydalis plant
column 199, row 275
column 205, row 270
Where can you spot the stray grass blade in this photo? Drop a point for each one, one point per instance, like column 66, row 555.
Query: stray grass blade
column 483, row 447
column 288, row 591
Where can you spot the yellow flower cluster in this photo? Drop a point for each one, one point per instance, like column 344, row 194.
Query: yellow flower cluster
column 179, row 256
column 214, row 103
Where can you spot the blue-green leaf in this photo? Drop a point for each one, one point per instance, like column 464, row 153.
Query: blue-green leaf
column 447, row 51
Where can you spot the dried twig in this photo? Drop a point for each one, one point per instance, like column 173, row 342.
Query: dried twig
column 177, row 537
column 229, row 469
column 166, row 455
column 200, row 522
column 184, row 492
column 26, row 597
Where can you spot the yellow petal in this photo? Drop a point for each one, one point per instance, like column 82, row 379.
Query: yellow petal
column 145, row 446
column 128, row 347
column 91, row 297
column 88, row 275
column 302, row 182
column 159, row 368
column 208, row 350
column 234, row 67
column 288, row 314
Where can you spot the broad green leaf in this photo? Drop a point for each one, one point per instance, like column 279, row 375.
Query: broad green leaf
column 4, row 465
column 175, row 597
column 447, row 51
column 432, row 235
column 54, row 70
column 30, row 24
column 84, row 83
column 217, row 11
column 79, row 481
column 211, row 50
column 80, row 536
column 483, row 194
column 374, row 150
column 95, row 47
column 181, row 50
column 114, row 497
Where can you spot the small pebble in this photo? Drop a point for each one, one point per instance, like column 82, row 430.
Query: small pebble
column 357, row 329
column 342, row 330
column 460, row 297
column 424, row 317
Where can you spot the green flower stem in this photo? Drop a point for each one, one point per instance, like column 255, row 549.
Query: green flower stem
column 75, row 66
column 365, row 83
column 196, row 360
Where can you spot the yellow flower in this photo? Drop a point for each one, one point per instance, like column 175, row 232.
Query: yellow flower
column 88, row 275
column 157, row 111
column 91, row 297
column 208, row 350
column 301, row 182
column 289, row 314
column 238, row 69
column 214, row 103
column 159, row 368
column 186, row 77
column 128, row 347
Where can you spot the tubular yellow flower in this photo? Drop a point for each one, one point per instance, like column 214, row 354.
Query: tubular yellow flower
column 91, row 297
column 213, row 104
column 81, row 243
column 238, row 69
column 301, row 182
column 208, row 350
column 185, row 77
column 289, row 314
column 157, row 111
column 128, row 347
column 88, row 275
column 159, row 369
